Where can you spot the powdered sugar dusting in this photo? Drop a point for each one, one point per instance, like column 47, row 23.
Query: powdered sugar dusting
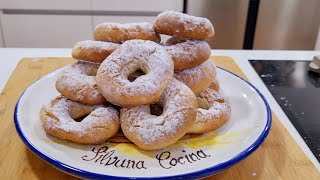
column 97, row 45
column 58, row 115
column 188, row 50
column 151, row 129
column 59, row 108
column 200, row 73
column 78, row 82
column 116, row 32
column 132, row 55
column 185, row 19
column 218, row 105
column 190, row 23
column 142, row 25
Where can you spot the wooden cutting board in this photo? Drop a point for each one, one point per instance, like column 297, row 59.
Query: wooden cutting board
column 279, row 157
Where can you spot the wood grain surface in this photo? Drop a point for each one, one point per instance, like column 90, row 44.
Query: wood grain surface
column 279, row 157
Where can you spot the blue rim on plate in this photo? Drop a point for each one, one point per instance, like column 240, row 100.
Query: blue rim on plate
column 197, row 174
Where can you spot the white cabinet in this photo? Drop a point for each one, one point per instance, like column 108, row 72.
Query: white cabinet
column 137, row 5
column 45, row 4
column 45, row 30
column 62, row 23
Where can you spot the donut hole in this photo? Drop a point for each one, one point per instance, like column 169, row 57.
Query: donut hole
column 78, row 113
column 136, row 74
column 79, row 119
column 156, row 109
column 203, row 103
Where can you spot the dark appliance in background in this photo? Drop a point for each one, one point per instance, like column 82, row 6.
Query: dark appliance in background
column 260, row 24
column 297, row 91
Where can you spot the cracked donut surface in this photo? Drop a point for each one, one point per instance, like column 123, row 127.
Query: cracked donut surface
column 60, row 118
column 78, row 83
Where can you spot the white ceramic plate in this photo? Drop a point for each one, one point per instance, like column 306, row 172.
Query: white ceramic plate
column 196, row 157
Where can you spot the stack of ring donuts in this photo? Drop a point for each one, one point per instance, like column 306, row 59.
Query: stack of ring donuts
column 126, row 80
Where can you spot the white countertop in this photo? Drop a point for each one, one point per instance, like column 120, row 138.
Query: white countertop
column 9, row 57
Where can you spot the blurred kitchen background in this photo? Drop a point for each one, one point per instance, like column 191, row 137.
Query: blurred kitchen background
column 239, row 24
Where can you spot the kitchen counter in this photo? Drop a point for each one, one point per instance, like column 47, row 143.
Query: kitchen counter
column 10, row 57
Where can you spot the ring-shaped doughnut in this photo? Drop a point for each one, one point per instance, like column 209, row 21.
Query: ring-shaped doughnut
column 59, row 119
column 198, row 78
column 213, row 112
column 93, row 51
column 151, row 132
column 183, row 25
column 188, row 54
column 78, row 83
column 119, row 33
column 133, row 55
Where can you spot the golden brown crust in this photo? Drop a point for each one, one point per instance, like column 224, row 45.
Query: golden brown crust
column 151, row 132
column 189, row 53
column 93, row 51
column 151, row 58
column 213, row 112
column 78, row 83
column 119, row 33
column 183, row 25
column 198, row 78
column 215, row 85
column 58, row 120
column 174, row 40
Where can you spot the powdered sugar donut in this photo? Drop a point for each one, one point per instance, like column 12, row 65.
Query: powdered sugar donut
column 213, row 112
column 152, row 132
column 94, row 51
column 133, row 55
column 78, row 83
column 60, row 119
column 183, row 25
column 119, row 33
column 215, row 85
column 189, row 54
column 198, row 78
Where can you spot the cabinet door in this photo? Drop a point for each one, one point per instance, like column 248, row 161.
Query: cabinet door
column 45, row 4
column 137, row 5
column 45, row 31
